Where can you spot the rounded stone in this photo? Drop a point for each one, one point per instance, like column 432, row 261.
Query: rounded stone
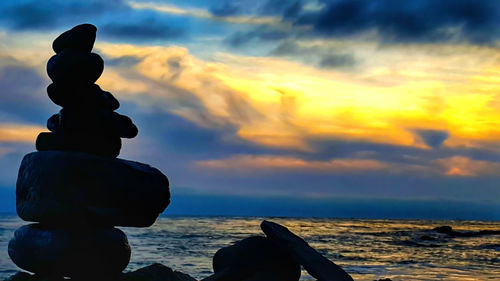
column 96, row 122
column 57, row 187
column 48, row 250
column 102, row 145
column 256, row 256
column 82, row 96
column 80, row 37
column 70, row 66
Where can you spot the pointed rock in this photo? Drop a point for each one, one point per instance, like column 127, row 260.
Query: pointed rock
column 318, row 266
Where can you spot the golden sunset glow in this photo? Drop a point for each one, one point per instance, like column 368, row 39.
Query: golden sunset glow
column 295, row 102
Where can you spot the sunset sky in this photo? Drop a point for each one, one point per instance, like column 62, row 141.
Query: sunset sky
column 389, row 100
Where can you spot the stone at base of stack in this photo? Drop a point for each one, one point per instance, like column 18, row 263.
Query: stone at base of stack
column 74, row 188
column 70, row 251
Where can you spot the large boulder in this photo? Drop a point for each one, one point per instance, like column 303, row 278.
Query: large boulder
column 73, row 187
column 70, row 252
column 102, row 145
column 80, row 37
column 317, row 265
column 256, row 258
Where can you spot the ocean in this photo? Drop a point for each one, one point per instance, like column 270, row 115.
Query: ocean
column 366, row 249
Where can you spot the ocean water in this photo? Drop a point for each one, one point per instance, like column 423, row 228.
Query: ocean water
column 366, row 249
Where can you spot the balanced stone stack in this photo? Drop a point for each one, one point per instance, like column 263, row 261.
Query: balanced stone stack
column 74, row 187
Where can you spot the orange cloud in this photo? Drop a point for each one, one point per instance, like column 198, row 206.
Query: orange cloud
column 264, row 162
column 279, row 103
column 19, row 133
column 464, row 166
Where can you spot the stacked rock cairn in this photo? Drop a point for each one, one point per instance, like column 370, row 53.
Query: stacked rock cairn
column 74, row 188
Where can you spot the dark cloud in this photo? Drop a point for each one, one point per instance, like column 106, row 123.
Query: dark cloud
column 433, row 138
column 51, row 14
column 337, row 60
column 124, row 61
column 115, row 18
column 224, row 9
column 142, row 30
column 287, row 8
column 393, row 21
column 23, row 96
column 323, row 57
column 262, row 33
column 410, row 21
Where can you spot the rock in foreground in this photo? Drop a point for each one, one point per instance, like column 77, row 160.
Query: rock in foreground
column 70, row 252
column 57, row 187
column 154, row 272
column 256, row 258
column 318, row 266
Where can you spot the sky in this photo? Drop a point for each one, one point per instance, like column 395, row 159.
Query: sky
column 294, row 102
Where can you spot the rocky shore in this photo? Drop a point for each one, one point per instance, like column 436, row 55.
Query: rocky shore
column 277, row 256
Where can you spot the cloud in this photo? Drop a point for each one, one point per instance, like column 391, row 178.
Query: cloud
column 464, row 166
column 23, row 94
column 337, row 61
column 386, row 21
column 251, row 163
column 405, row 22
column 206, row 14
column 51, row 14
column 146, row 29
column 19, row 133
column 433, row 138
column 224, row 9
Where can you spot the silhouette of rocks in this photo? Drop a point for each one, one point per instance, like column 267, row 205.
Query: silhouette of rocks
column 69, row 252
column 156, row 272
column 74, row 187
column 256, row 258
column 106, row 146
column 89, row 96
column 449, row 230
column 80, row 37
column 75, row 66
column 446, row 229
column 55, row 186
column 318, row 266
column 101, row 122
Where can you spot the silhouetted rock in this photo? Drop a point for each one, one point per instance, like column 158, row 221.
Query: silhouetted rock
column 73, row 187
column 316, row 265
column 80, row 37
column 156, row 272
column 99, row 122
column 452, row 233
column 70, row 252
column 101, row 145
column 71, row 66
column 86, row 96
column 446, row 229
column 257, row 258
